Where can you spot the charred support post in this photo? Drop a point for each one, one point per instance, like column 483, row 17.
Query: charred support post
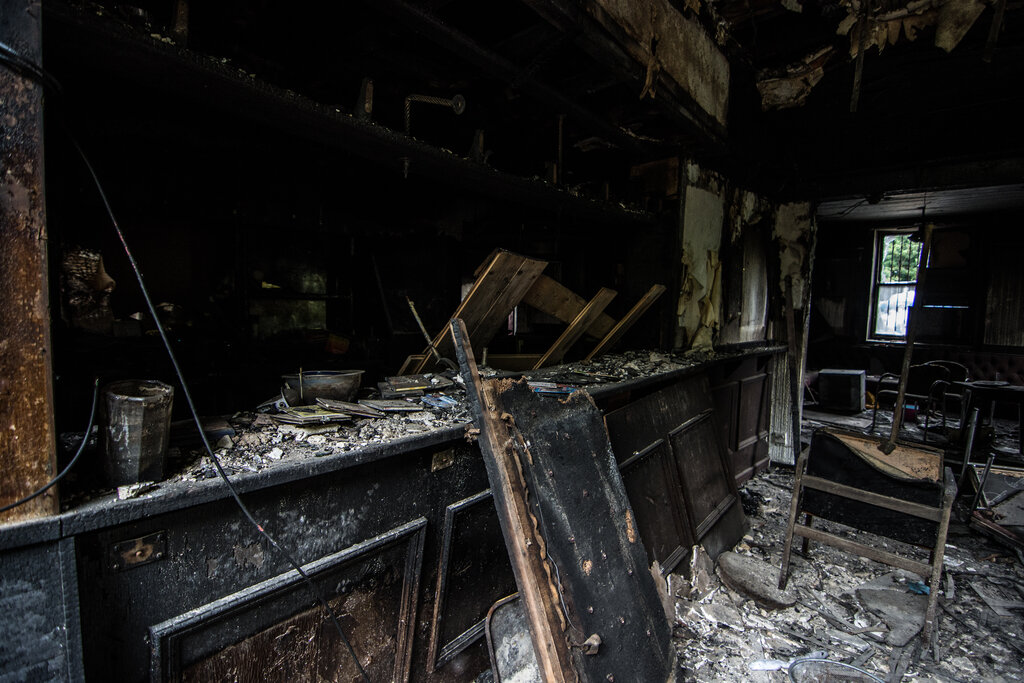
column 913, row 321
column 796, row 380
column 27, row 443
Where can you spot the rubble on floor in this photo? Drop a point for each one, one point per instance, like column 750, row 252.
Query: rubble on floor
column 1002, row 435
column 720, row 633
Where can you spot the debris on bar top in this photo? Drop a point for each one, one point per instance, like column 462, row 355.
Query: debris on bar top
column 421, row 403
column 251, row 441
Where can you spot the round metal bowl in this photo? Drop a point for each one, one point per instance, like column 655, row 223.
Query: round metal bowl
column 305, row 388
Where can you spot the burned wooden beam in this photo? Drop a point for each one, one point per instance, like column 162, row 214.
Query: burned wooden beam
column 552, row 297
column 27, row 442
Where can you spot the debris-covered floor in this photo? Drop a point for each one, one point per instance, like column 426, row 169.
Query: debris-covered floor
column 1001, row 435
column 721, row 635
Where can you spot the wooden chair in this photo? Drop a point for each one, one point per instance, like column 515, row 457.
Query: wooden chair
column 956, row 372
column 926, row 384
column 906, row 495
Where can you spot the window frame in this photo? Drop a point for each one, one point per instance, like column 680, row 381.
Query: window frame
column 878, row 236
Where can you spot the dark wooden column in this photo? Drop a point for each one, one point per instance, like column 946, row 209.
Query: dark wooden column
column 27, row 444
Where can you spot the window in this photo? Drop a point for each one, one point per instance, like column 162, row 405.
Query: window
column 895, row 282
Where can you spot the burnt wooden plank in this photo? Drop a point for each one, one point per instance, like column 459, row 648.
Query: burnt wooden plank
column 628, row 320
column 576, row 328
column 525, row 546
column 590, row 533
column 582, row 531
column 498, row 289
column 552, row 297
column 27, row 442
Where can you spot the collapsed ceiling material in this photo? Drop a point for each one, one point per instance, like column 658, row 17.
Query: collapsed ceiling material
column 793, row 45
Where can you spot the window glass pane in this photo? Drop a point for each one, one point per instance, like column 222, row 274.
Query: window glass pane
column 894, row 301
column 899, row 259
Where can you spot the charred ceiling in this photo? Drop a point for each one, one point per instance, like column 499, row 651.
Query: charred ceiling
column 848, row 89
column 794, row 98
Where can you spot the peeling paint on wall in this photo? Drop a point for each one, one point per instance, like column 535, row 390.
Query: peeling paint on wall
column 700, row 297
column 745, row 209
column 668, row 41
column 794, row 225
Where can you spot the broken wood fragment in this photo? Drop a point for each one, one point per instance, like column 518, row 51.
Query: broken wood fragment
column 498, row 289
column 628, row 320
column 549, row 296
column 576, row 328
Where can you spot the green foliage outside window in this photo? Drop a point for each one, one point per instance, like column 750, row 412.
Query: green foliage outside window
column 899, row 259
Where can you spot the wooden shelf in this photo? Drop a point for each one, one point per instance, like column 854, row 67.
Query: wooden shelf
column 142, row 58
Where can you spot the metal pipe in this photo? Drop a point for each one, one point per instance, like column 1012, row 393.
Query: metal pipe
column 457, row 104
column 460, row 44
column 993, row 31
column 423, row 329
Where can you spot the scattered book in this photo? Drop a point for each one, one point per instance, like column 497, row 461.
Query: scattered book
column 350, row 408
column 305, row 415
column 390, row 406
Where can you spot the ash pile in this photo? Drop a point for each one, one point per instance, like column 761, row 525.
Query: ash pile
column 845, row 609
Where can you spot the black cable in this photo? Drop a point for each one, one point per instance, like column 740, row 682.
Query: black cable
column 81, row 447
column 26, row 68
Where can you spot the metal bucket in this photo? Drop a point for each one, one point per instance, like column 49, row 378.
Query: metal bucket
column 138, row 424
column 306, row 387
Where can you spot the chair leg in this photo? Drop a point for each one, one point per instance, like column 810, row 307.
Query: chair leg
column 794, row 510
column 874, row 415
column 927, row 416
column 805, row 547
column 937, row 555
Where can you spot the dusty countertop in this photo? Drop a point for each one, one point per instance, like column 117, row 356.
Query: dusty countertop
column 262, row 453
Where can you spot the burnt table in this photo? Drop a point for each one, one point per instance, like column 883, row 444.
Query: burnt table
column 985, row 394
